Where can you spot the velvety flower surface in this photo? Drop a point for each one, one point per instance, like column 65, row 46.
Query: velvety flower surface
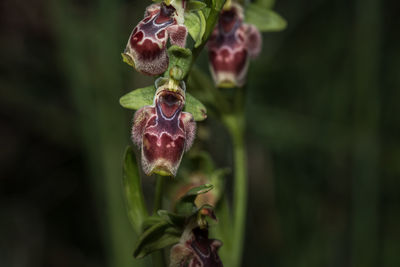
column 195, row 249
column 230, row 46
column 146, row 48
column 163, row 131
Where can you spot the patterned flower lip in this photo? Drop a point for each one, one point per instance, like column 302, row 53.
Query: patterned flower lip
column 163, row 131
column 170, row 103
column 195, row 249
column 230, row 47
column 146, row 48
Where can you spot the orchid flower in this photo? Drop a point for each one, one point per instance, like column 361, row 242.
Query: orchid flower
column 146, row 49
column 163, row 131
column 230, row 46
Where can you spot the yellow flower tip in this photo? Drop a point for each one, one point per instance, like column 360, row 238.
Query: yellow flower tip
column 173, row 85
column 161, row 171
column 226, row 84
column 127, row 59
column 227, row 5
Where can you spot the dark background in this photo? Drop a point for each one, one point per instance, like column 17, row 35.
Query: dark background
column 323, row 135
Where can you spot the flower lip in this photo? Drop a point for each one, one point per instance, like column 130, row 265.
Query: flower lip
column 166, row 89
column 170, row 102
column 171, row 95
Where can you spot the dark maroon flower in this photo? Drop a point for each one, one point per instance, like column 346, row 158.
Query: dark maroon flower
column 230, row 46
column 146, row 49
column 163, row 131
column 195, row 249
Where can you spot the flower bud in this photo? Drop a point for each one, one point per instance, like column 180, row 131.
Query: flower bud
column 230, row 46
column 146, row 48
column 163, row 131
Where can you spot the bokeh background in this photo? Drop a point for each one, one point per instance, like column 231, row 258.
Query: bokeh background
column 322, row 134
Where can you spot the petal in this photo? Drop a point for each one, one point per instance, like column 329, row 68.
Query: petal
column 177, row 35
column 140, row 120
column 162, row 153
column 253, row 40
column 190, row 129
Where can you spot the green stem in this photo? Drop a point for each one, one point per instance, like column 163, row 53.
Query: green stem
column 159, row 193
column 235, row 124
column 158, row 256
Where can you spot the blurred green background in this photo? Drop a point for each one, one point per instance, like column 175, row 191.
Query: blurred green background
column 322, row 134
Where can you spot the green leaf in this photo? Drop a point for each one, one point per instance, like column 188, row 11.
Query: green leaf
column 173, row 218
column 195, row 22
column 195, row 107
column 138, row 98
column 150, row 221
column 185, row 206
column 193, row 5
column 158, row 236
column 218, row 4
column 181, row 58
column 264, row 19
column 136, row 206
column 265, row 3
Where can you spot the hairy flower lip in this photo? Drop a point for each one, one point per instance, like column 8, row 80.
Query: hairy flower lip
column 146, row 49
column 165, row 88
column 163, row 130
column 231, row 46
column 176, row 92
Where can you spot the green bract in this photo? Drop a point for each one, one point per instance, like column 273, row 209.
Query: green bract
column 264, row 19
column 165, row 228
column 195, row 22
column 133, row 191
column 158, row 236
column 141, row 97
column 186, row 204
column 195, row 5
column 179, row 58
column 265, row 3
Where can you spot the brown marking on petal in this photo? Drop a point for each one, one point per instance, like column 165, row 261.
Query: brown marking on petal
column 163, row 152
column 226, row 60
column 147, row 19
column 136, row 37
column 150, row 59
column 161, row 34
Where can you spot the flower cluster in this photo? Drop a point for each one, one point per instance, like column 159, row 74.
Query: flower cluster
column 163, row 131
column 230, row 46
